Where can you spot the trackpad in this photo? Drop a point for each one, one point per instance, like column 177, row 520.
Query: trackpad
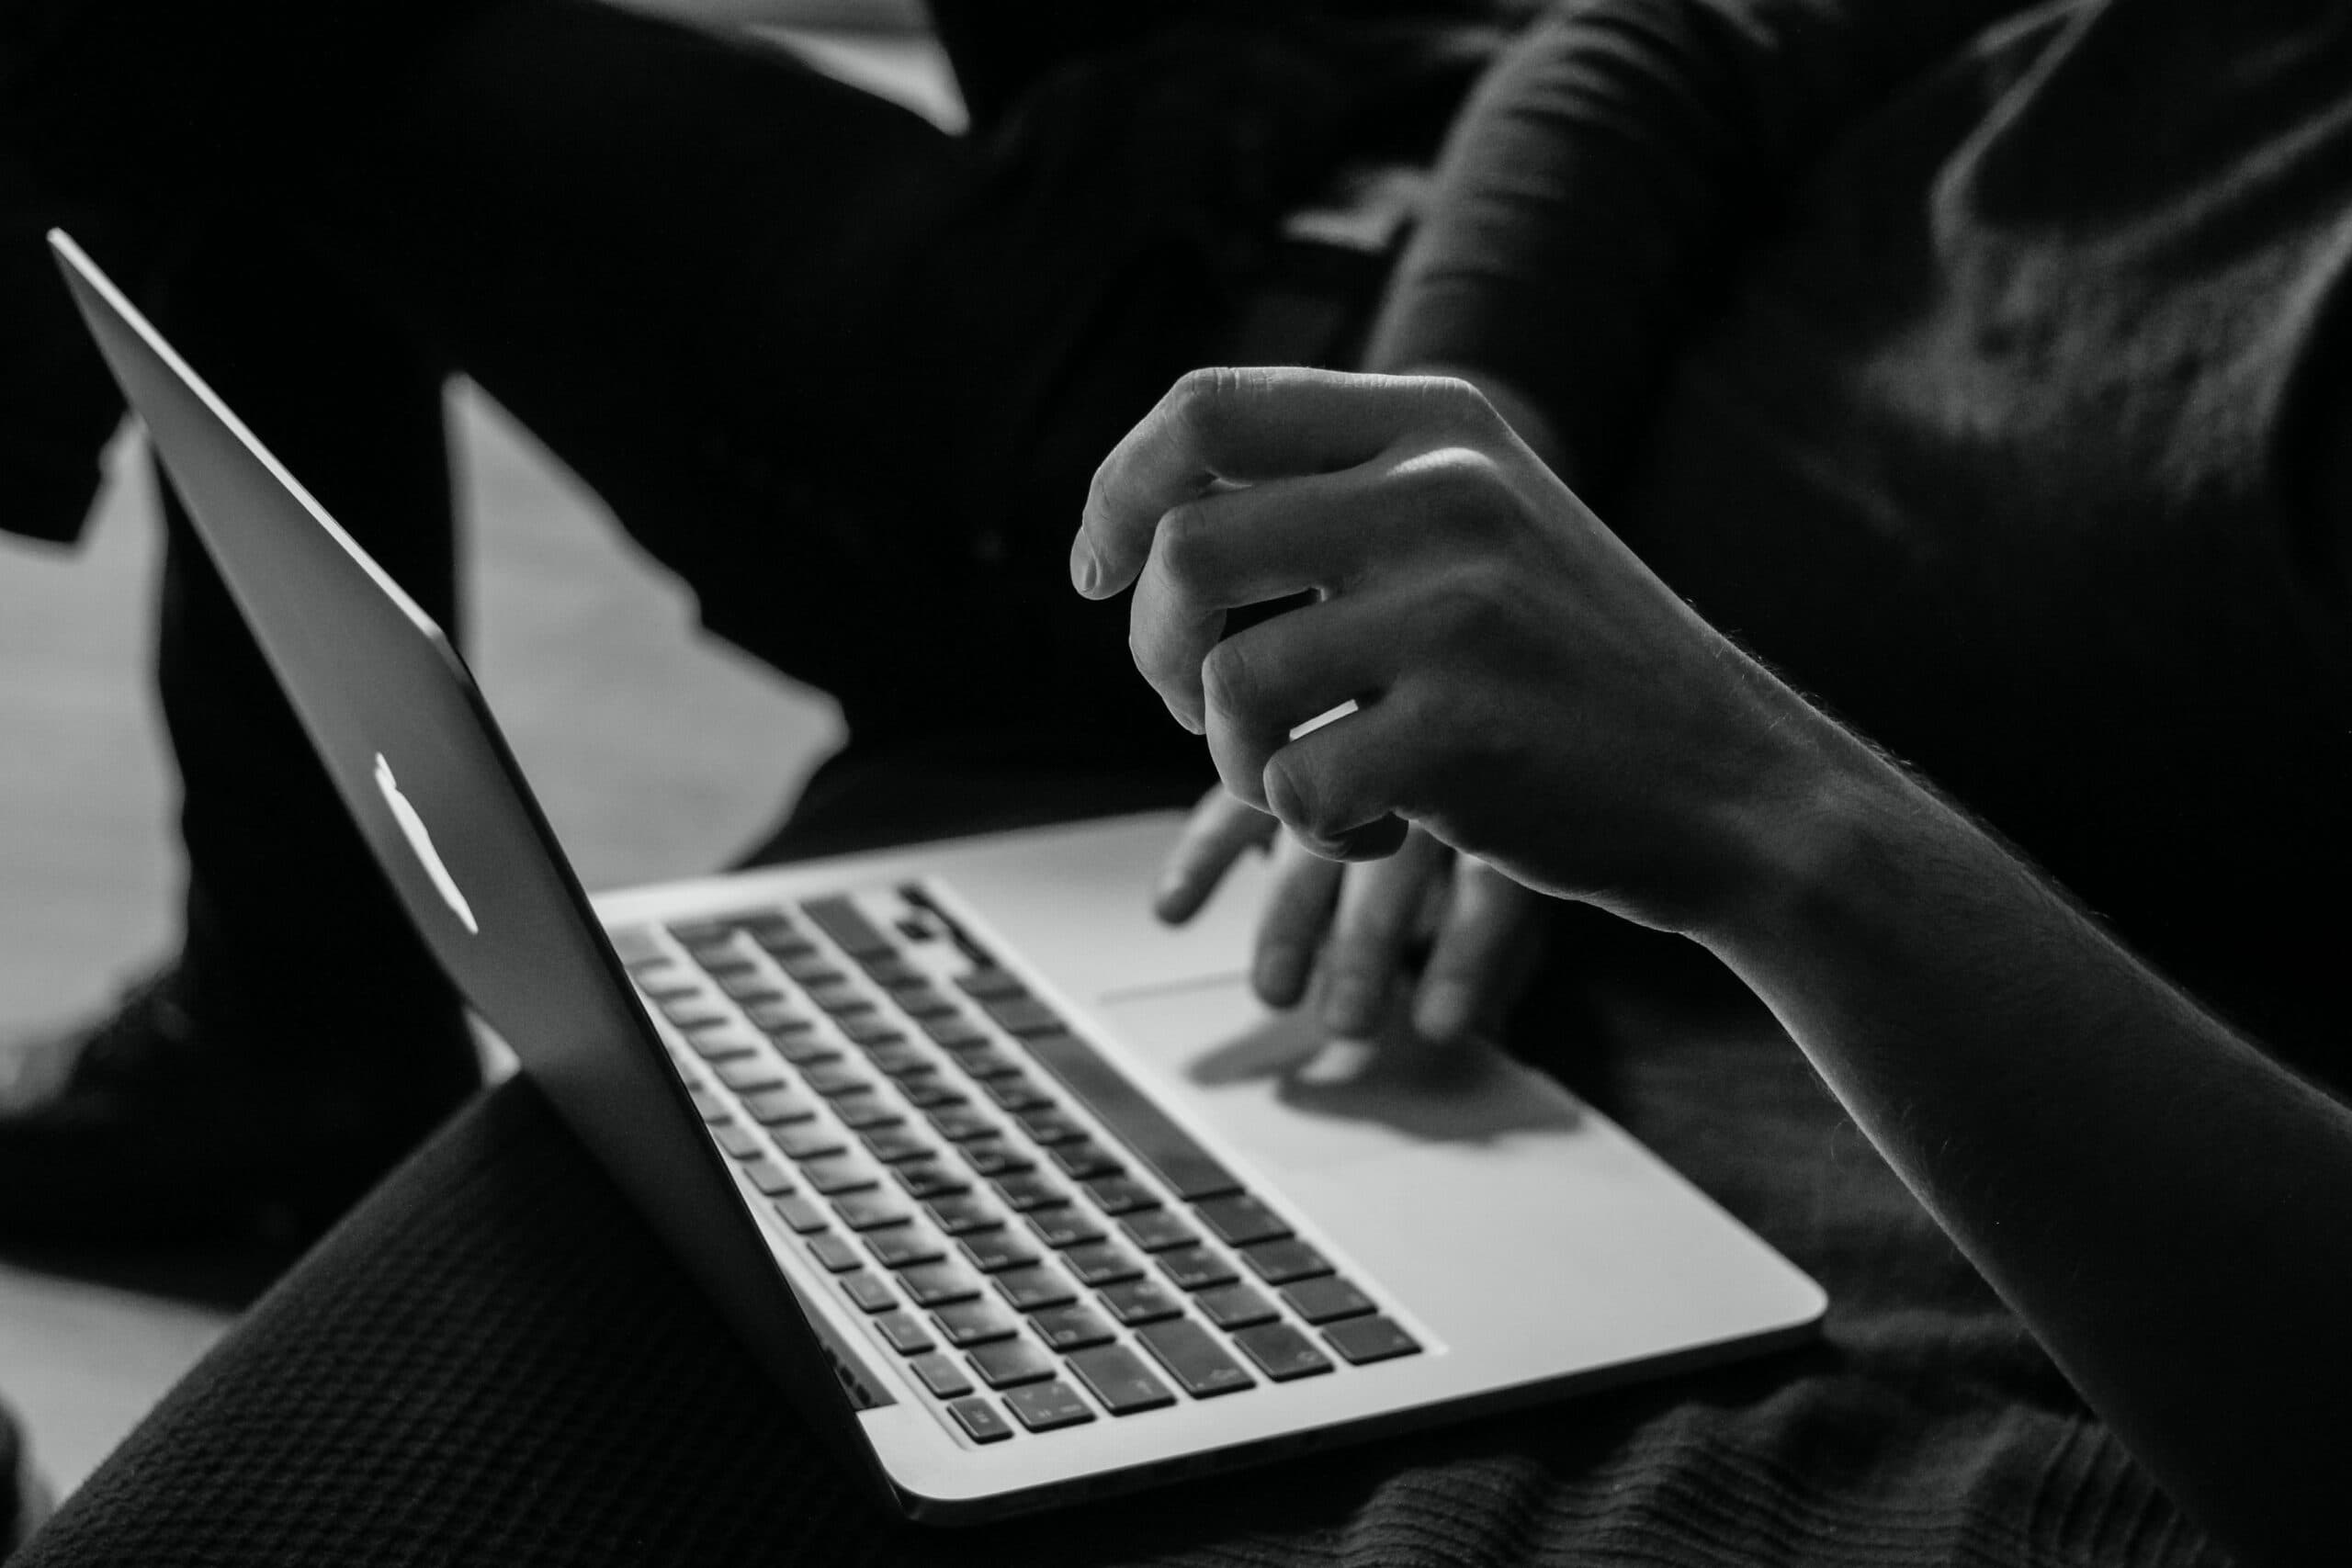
column 1296, row 1099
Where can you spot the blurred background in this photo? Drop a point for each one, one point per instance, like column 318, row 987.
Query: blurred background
column 655, row 752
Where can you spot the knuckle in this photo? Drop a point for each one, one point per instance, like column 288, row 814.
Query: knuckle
column 1203, row 399
column 1461, row 404
column 1230, row 678
column 1187, row 547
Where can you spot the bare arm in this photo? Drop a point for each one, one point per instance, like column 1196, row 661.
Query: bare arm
column 2162, row 1203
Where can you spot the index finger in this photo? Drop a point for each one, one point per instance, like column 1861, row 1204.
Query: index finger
column 1242, row 425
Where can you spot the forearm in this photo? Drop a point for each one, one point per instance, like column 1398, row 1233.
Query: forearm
column 1609, row 172
column 2160, row 1203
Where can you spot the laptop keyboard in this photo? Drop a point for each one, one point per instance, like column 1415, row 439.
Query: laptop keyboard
column 914, row 1114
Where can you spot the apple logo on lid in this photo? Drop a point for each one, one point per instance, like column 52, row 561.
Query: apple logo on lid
column 421, row 842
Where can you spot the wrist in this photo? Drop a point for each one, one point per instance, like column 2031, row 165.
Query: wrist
column 1813, row 847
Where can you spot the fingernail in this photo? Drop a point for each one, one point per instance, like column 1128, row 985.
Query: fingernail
column 1085, row 571
column 1350, row 1006
column 1280, row 975
column 1442, row 1012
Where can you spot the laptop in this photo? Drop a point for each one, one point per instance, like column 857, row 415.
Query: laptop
column 1020, row 1196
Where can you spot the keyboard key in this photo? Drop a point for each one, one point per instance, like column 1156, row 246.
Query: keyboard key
column 870, row 1292
column 805, row 1216
column 712, row 1105
column 1035, row 1289
column 1064, row 1225
column 834, row 1253
column 1049, row 1124
column 1147, row 1131
column 980, row 1420
column 807, row 1140
column 1157, row 1230
column 1194, row 1268
column 747, row 1074
column 747, row 984
column 774, row 1107
column 778, row 1017
column 738, row 1140
column 1235, row 1307
column 1008, row 1363
column 1102, row 1263
column 1120, row 1194
column 1117, row 1378
column 929, row 1178
column 921, row 999
column 860, row 1111
column 940, row 1375
column 770, row 929
column 1084, row 1160
column 954, row 1031
column 723, row 1042
column 994, row 1156
column 1366, row 1339
column 1029, row 1190
column 781, row 942
column 811, row 968
column 871, row 1211
column 668, row 983
column 930, row 1092
column 868, row 1030
column 1014, row 1091
column 965, row 1324
column 984, row 1062
column 1021, row 1015
column 1281, row 1352
column 937, row 1284
column 1326, row 1300
column 960, row 1214
column 961, row 1123
column 1239, row 1220
column 898, row 1059
column 1068, row 1328
column 891, row 971
column 905, row 1333
column 1140, row 1301
column 732, row 964
column 903, row 1247
column 832, row 1078
column 695, row 1011
column 1202, row 1367
column 836, row 1174
column 1046, row 1406
column 637, row 945
column 895, row 1145
column 848, row 928
column 991, row 983
column 998, row 1248
column 804, row 1048
column 768, row 1176
column 1280, row 1262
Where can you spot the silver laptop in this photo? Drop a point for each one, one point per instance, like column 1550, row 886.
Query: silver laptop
column 1021, row 1196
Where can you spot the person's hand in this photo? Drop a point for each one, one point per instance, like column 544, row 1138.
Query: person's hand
column 1360, row 928
column 1528, row 692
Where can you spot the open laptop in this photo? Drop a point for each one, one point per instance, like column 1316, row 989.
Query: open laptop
column 1020, row 1195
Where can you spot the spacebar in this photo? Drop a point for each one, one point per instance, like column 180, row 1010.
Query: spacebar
column 1168, row 1150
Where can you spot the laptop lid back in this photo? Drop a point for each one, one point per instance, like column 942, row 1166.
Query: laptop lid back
column 420, row 765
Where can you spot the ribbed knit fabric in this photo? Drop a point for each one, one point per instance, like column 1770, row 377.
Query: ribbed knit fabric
column 493, row 1361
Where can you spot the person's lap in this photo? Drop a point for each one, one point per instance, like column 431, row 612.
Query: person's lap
column 493, row 1360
